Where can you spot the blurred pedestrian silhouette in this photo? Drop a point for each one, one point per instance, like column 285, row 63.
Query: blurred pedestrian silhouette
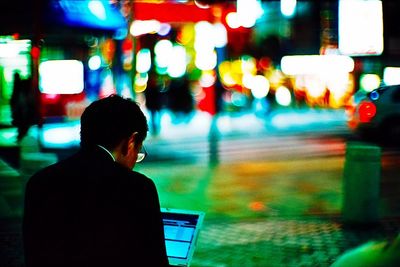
column 23, row 111
column 91, row 209
column 180, row 99
column 154, row 102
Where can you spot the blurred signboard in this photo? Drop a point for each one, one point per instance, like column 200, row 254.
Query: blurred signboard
column 93, row 14
column 360, row 27
column 61, row 77
column 171, row 12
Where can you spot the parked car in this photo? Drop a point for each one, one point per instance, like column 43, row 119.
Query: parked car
column 375, row 116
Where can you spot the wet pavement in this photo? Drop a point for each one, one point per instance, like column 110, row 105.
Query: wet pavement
column 275, row 212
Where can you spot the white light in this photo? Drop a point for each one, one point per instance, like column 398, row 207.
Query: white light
column 165, row 28
column 207, row 79
column 60, row 135
column 227, row 79
column 14, row 47
column 283, row 96
column 248, row 12
column 391, row 75
column 288, row 7
column 143, row 60
column 203, row 42
column 360, row 27
column 370, row 82
column 316, row 64
column 247, row 80
column 248, row 64
column 220, row 35
column 141, row 79
column 97, row 9
column 206, row 60
column 178, row 68
column 238, row 99
column 94, row 62
column 201, row 5
column 247, row 21
column 107, row 87
column 337, row 84
column 315, row 87
column 232, row 19
column 259, row 87
column 140, row 27
column 162, row 47
column 163, row 51
column 61, row 77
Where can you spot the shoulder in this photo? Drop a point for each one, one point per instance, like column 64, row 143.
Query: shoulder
column 44, row 175
column 136, row 178
column 59, row 169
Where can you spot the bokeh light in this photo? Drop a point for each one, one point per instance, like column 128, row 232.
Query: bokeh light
column 94, row 62
column 369, row 82
column 283, row 96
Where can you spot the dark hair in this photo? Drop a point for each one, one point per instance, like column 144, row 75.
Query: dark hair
column 109, row 120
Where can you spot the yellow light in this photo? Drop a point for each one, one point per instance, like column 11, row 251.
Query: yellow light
column 227, row 79
column 141, row 79
column 236, row 66
column 186, row 35
column 224, row 67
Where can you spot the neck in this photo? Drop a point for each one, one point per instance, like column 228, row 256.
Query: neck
column 110, row 153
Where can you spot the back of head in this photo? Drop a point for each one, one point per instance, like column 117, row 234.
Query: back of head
column 109, row 120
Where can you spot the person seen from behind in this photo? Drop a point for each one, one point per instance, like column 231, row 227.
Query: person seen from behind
column 92, row 209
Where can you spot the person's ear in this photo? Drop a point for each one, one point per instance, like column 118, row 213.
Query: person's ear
column 125, row 146
column 129, row 143
column 134, row 140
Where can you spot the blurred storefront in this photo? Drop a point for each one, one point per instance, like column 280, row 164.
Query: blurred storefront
column 235, row 55
column 50, row 43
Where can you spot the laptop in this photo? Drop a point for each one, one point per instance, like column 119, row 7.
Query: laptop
column 181, row 230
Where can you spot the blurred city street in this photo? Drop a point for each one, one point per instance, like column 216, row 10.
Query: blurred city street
column 273, row 198
column 278, row 119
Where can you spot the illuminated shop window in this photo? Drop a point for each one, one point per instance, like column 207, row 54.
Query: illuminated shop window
column 61, row 77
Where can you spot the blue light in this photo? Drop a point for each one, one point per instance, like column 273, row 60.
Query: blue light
column 374, row 95
column 97, row 14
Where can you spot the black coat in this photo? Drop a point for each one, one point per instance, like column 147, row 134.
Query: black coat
column 91, row 211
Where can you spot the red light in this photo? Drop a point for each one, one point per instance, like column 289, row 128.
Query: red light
column 366, row 111
column 265, row 63
column 35, row 51
column 127, row 46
